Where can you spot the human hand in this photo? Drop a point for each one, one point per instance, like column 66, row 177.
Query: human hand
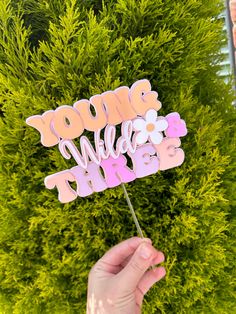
column 119, row 280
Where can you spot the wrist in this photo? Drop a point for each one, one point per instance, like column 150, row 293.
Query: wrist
column 96, row 306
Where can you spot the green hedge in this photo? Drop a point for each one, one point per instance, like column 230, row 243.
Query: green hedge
column 55, row 52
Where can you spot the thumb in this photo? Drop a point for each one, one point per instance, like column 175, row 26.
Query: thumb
column 129, row 277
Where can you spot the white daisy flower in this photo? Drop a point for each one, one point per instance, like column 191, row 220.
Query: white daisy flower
column 150, row 127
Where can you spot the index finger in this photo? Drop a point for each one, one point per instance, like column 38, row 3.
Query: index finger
column 118, row 253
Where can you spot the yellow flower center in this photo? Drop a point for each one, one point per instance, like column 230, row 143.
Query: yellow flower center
column 150, row 127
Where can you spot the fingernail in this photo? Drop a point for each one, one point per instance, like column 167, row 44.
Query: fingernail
column 145, row 252
column 162, row 257
column 160, row 271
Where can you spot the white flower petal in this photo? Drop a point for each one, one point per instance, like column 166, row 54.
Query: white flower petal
column 161, row 124
column 151, row 116
column 141, row 137
column 156, row 137
column 139, row 124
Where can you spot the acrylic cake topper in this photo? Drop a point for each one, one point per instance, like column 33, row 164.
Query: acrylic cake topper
column 151, row 141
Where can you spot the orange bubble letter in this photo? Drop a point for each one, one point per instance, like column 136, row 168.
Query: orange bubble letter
column 118, row 106
column 142, row 98
column 92, row 123
column 44, row 125
column 68, row 123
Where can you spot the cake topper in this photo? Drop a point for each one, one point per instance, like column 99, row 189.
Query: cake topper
column 131, row 126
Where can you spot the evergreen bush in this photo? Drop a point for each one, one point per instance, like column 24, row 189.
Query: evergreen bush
column 55, row 52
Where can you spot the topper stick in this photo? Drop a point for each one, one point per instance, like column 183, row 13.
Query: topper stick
column 133, row 214
column 132, row 211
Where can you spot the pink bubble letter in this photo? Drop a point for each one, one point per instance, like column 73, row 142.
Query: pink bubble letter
column 169, row 154
column 116, row 171
column 176, row 126
column 61, row 181
column 144, row 164
column 88, row 180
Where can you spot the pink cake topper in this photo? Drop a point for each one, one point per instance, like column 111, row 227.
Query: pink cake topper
column 149, row 140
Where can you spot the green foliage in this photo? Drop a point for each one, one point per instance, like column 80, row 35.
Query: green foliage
column 58, row 51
